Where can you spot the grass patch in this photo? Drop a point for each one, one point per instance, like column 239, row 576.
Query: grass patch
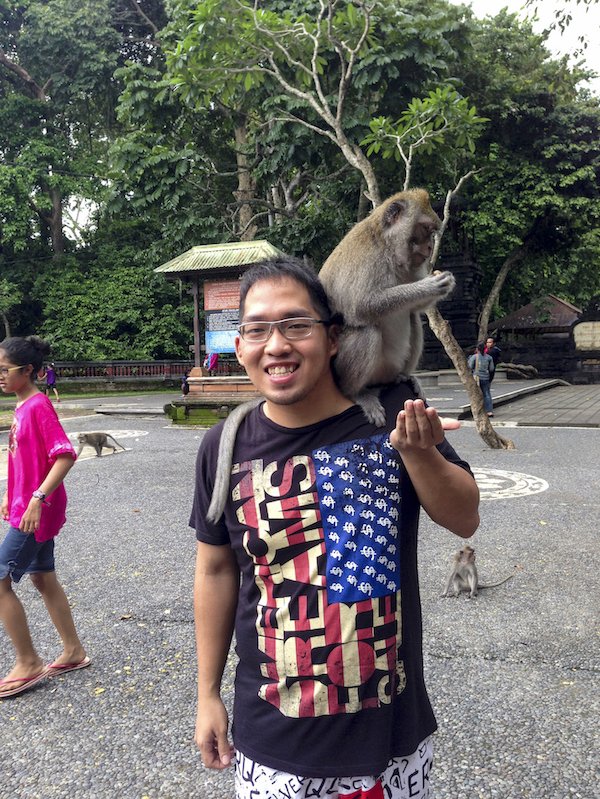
column 73, row 395
column 5, row 418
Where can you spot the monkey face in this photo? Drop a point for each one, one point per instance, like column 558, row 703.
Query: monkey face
column 467, row 554
column 421, row 242
column 295, row 376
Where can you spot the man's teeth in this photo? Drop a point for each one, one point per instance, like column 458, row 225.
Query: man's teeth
column 281, row 370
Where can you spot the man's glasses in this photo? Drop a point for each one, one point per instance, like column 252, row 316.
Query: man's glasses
column 292, row 329
column 5, row 370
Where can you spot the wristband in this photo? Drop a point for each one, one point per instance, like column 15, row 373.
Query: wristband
column 41, row 496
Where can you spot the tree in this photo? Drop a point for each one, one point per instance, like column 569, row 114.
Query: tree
column 327, row 65
column 537, row 196
column 109, row 304
column 56, row 65
column 318, row 63
column 10, row 297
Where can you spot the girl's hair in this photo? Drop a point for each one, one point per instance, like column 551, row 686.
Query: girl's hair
column 480, row 347
column 24, row 351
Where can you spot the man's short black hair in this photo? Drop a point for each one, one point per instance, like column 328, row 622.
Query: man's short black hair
column 286, row 266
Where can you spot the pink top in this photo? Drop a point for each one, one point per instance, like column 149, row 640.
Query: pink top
column 36, row 439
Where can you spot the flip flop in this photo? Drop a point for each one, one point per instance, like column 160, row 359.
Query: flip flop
column 26, row 683
column 62, row 668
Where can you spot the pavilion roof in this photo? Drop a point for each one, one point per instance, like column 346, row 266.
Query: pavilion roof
column 548, row 314
column 211, row 258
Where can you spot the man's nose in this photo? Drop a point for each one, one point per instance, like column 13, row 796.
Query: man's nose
column 277, row 341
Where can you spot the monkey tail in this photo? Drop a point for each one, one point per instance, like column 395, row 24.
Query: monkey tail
column 225, row 458
column 118, row 443
column 495, row 585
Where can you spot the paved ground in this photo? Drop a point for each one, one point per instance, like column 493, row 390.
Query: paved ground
column 513, row 676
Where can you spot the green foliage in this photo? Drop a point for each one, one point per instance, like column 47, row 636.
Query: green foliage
column 113, row 306
column 56, row 94
column 216, row 96
column 539, row 188
column 10, row 297
column 442, row 124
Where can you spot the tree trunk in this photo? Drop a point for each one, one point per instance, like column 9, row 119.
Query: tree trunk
column 363, row 204
column 6, row 325
column 356, row 158
column 443, row 332
column 246, row 184
column 55, row 223
column 492, row 298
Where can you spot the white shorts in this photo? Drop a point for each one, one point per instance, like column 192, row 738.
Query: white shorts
column 404, row 778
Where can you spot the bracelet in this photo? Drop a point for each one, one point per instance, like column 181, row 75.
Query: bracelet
column 41, row 496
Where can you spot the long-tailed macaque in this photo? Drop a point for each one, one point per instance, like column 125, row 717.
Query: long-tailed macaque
column 98, row 441
column 377, row 280
column 464, row 577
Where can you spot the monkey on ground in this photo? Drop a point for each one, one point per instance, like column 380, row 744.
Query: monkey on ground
column 98, row 441
column 464, row 577
column 377, row 281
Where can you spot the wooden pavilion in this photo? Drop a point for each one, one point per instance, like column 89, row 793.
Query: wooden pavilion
column 213, row 272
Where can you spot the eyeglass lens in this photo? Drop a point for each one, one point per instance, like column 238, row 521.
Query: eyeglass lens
column 294, row 328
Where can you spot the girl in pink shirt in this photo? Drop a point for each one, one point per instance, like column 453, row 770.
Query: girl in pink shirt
column 40, row 456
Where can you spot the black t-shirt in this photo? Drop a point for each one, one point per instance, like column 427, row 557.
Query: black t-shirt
column 323, row 522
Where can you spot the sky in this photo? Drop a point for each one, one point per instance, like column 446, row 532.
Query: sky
column 583, row 24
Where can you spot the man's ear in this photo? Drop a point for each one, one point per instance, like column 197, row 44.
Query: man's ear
column 238, row 350
column 333, row 336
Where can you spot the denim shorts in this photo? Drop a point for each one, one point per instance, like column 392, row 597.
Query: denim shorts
column 21, row 554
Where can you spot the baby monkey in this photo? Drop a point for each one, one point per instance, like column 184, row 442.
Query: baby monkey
column 463, row 576
column 98, row 441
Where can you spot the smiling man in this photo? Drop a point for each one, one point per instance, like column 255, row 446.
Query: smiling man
column 314, row 565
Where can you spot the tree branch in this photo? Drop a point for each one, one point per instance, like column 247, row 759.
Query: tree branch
column 446, row 214
column 36, row 90
column 140, row 12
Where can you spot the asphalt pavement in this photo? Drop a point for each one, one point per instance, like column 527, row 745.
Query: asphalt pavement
column 513, row 675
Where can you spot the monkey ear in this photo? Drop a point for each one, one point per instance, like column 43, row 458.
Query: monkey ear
column 393, row 212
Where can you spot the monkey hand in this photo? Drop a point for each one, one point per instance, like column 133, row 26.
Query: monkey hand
column 444, row 282
column 419, row 427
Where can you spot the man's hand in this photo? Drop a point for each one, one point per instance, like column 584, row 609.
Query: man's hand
column 419, row 428
column 211, row 734
column 4, row 507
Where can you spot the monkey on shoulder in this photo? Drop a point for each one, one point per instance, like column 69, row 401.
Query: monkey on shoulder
column 98, row 441
column 378, row 279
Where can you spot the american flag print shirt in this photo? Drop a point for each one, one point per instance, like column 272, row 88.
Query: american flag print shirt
column 323, row 534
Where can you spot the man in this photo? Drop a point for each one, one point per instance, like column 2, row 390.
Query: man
column 494, row 352
column 321, row 526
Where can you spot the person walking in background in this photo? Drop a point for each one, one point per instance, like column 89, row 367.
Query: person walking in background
column 482, row 368
column 185, row 386
column 51, row 381
column 41, row 379
column 34, row 504
column 494, row 352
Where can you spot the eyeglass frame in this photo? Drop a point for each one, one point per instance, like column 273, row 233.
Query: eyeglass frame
column 277, row 324
column 6, row 370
